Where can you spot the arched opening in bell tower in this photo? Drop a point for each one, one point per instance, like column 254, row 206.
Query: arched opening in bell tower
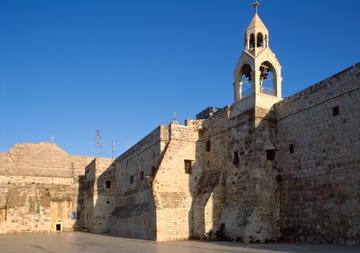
column 252, row 41
column 260, row 40
column 246, row 80
column 267, row 79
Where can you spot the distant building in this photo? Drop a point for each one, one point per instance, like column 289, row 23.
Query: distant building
column 262, row 169
column 39, row 188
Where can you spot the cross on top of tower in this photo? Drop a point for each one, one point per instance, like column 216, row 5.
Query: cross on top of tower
column 256, row 6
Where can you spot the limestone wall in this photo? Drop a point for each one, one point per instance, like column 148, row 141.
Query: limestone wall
column 97, row 195
column 174, row 184
column 42, row 159
column 39, row 188
column 134, row 214
column 264, row 224
column 239, row 179
column 319, row 147
column 212, row 155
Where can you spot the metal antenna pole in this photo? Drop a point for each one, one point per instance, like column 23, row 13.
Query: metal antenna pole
column 98, row 142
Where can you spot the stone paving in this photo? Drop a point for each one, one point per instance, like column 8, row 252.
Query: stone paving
column 75, row 242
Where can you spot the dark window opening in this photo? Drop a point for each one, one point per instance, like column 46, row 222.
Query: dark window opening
column 108, row 184
column 58, row 227
column 131, row 179
column 188, row 166
column 141, row 175
column 208, row 144
column 252, row 40
column 270, row 154
column 259, row 40
column 108, row 201
column 236, row 157
column 335, row 111
column 291, row 148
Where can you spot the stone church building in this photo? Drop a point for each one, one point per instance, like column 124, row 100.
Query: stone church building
column 261, row 169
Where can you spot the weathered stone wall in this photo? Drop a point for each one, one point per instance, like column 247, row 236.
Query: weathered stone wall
column 264, row 224
column 134, row 214
column 39, row 188
column 34, row 204
column 238, row 178
column 97, row 195
column 246, row 173
column 41, row 160
column 319, row 147
column 174, row 187
column 209, row 195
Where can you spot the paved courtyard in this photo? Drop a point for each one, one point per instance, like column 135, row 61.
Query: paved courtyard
column 75, row 242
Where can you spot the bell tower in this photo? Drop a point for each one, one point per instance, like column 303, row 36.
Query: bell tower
column 252, row 141
column 257, row 71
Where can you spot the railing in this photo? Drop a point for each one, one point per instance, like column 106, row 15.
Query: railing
column 264, row 90
column 268, row 91
column 246, row 92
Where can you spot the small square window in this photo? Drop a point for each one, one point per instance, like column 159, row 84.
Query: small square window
column 236, row 157
column 291, row 148
column 131, row 179
column 335, row 111
column 208, row 146
column 270, row 154
column 141, row 175
column 188, row 166
column 107, row 184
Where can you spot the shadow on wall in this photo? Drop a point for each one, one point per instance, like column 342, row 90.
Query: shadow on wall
column 232, row 185
column 96, row 196
column 237, row 195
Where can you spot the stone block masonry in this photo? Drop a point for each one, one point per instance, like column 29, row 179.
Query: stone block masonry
column 260, row 170
column 39, row 188
column 319, row 156
column 256, row 171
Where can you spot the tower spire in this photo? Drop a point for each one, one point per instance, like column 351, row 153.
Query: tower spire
column 256, row 6
column 257, row 66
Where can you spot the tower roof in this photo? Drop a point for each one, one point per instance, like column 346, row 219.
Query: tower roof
column 256, row 24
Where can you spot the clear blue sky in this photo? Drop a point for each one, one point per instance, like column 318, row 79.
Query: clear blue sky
column 69, row 68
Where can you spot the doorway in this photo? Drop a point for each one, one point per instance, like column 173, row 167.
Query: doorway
column 58, row 227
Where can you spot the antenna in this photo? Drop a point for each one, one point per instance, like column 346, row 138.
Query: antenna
column 174, row 116
column 98, row 142
column 52, row 139
column 113, row 147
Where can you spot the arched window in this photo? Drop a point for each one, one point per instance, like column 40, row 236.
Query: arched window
column 246, row 80
column 260, row 40
column 267, row 79
column 252, row 41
